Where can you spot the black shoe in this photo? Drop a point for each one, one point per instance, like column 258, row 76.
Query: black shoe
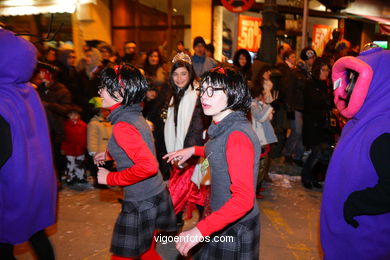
column 298, row 162
column 316, row 184
column 71, row 182
column 288, row 159
column 307, row 184
column 101, row 186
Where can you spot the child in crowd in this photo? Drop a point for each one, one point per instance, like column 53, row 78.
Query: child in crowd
column 266, row 84
column 98, row 133
column 261, row 113
column 74, row 147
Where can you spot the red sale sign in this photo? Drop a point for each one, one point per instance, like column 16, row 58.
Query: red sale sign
column 320, row 36
column 249, row 33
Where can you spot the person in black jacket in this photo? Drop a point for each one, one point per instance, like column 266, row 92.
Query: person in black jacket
column 69, row 77
column 293, row 82
column 154, row 111
column 57, row 101
column 90, row 81
column 316, row 132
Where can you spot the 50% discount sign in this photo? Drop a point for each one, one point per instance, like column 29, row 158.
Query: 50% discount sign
column 249, row 33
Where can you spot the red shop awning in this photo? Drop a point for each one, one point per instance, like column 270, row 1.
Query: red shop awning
column 384, row 23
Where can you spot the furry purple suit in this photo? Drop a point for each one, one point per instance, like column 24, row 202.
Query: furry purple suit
column 355, row 213
column 27, row 178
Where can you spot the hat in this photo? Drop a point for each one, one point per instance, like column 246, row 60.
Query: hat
column 198, row 40
column 308, row 53
column 48, row 72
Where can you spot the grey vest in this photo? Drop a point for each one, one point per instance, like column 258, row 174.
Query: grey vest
column 215, row 150
column 150, row 186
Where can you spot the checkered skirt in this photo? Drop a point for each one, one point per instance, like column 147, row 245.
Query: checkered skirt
column 135, row 225
column 245, row 245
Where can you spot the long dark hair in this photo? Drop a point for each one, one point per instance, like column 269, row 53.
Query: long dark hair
column 178, row 93
column 248, row 58
column 151, row 70
column 259, row 79
column 317, row 65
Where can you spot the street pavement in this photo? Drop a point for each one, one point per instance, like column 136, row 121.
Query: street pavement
column 289, row 222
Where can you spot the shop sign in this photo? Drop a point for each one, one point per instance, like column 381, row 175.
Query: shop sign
column 320, row 36
column 237, row 6
column 293, row 25
column 249, row 33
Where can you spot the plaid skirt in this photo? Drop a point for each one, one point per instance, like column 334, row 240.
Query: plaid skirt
column 244, row 246
column 135, row 225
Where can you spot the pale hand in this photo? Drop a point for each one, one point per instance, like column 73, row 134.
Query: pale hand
column 181, row 156
column 102, row 175
column 188, row 240
column 271, row 115
column 99, row 158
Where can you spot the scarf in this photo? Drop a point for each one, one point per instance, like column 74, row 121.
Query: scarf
column 174, row 140
column 198, row 59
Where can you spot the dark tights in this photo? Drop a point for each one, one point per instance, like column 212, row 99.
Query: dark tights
column 39, row 242
column 179, row 215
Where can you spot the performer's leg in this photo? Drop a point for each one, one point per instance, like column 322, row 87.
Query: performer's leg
column 6, row 252
column 42, row 246
column 115, row 257
column 151, row 253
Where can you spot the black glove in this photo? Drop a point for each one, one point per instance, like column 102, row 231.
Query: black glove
column 350, row 211
column 372, row 200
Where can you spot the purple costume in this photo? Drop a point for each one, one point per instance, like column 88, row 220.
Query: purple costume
column 351, row 168
column 27, row 179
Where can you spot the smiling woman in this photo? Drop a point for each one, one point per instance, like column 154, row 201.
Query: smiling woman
column 183, row 128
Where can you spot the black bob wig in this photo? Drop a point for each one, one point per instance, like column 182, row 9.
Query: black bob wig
column 235, row 87
column 126, row 81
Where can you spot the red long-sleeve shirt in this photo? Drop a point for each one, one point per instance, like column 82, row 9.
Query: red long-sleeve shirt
column 132, row 143
column 75, row 141
column 240, row 159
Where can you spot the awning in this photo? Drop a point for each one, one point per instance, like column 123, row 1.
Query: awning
column 383, row 22
column 31, row 7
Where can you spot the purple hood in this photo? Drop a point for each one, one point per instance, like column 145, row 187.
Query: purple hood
column 27, row 179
